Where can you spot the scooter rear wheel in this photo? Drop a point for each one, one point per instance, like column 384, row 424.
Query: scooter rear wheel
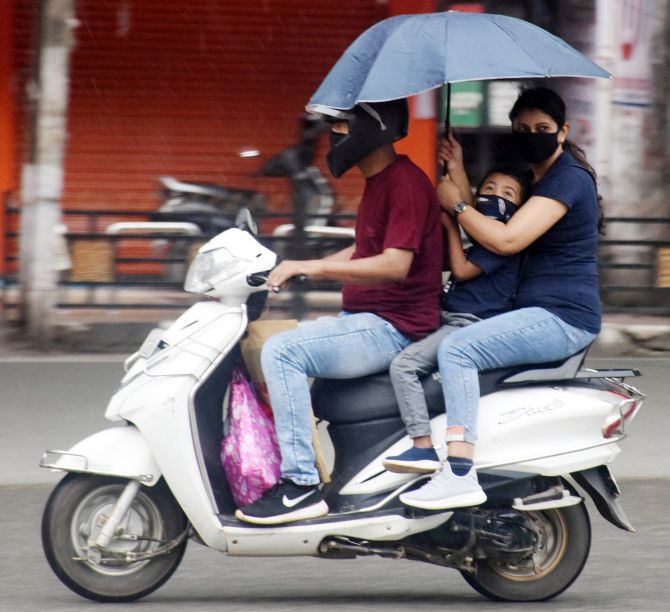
column 75, row 512
column 564, row 541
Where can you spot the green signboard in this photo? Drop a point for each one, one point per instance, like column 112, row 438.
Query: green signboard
column 468, row 104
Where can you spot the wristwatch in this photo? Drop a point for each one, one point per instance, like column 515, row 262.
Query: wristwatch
column 459, row 207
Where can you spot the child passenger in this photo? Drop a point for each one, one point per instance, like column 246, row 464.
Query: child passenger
column 482, row 284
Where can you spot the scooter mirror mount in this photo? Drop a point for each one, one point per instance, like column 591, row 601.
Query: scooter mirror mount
column 245, row 221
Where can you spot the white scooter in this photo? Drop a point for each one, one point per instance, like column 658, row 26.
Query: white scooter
column 116, row 526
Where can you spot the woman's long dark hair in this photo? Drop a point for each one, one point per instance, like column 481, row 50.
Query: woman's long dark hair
column 549, row 102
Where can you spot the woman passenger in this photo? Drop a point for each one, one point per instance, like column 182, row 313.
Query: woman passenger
column 556, row 309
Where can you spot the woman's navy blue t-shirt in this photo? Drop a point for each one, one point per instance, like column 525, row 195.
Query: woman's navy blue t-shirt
column 561, row 273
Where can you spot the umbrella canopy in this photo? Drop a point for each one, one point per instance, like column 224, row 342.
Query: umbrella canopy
column 407, row 54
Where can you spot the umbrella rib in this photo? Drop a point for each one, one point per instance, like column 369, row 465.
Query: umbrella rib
column 515, row 39
column 374, row 62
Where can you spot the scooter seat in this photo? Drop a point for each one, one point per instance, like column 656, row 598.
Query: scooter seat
column 366, row 399
column 370, row 398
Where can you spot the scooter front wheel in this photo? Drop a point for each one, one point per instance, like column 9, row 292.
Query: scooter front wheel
column 562, row 548
column 126, row 569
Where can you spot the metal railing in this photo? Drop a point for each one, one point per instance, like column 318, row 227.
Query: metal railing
column 123, row 264
column 635, row 272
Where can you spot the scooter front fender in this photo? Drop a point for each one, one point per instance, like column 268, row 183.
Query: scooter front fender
column 118, row 451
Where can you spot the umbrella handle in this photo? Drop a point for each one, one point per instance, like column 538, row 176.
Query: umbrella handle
column 446, row 124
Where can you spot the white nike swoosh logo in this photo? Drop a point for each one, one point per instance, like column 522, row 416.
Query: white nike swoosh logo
column 289, row 503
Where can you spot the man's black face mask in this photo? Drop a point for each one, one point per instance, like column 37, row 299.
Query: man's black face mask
column 336, row 138
column 370, row 127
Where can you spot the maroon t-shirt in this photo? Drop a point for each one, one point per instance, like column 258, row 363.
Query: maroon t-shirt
column 400, row 210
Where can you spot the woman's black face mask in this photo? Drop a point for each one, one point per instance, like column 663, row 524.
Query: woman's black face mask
column 535, row 147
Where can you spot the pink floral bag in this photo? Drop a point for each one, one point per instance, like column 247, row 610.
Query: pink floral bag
column 249, row 452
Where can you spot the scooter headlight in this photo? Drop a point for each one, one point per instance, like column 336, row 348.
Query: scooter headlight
column 221, row 267
column 211, row 268
column 202, row 270
column 199, row 270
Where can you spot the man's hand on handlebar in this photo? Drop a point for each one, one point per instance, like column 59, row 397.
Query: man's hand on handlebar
column 290, row 268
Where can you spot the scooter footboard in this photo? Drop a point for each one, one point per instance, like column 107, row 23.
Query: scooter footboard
column 118, row 451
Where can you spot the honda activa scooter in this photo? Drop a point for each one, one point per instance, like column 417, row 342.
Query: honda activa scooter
column 116, row 526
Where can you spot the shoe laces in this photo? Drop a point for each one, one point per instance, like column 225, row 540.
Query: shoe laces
column 438, row 480
column 277, row 490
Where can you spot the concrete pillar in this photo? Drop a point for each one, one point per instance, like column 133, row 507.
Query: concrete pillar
column 42, row 176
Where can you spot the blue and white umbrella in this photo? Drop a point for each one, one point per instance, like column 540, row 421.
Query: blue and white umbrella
column 408, row 54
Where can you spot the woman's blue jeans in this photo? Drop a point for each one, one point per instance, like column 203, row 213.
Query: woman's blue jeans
column 346, row 346
column 527, row 335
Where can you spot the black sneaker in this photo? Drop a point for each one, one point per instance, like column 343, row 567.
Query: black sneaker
column 284, row 503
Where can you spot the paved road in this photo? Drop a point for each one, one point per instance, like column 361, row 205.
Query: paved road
column 625, row 572
column 51, row 404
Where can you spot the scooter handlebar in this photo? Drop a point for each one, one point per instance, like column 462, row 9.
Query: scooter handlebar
column 260, row 278
column 298, row 279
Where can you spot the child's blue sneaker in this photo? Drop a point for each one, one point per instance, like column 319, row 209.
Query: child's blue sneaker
column 414, row 460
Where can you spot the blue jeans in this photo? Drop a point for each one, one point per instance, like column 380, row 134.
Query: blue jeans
column 416, row 361
column 527, row 335
column 346, row 346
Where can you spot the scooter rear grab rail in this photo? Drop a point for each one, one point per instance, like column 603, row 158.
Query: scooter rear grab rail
column 569, row 369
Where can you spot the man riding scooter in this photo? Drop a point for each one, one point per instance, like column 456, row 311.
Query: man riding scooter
column 391, row 282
